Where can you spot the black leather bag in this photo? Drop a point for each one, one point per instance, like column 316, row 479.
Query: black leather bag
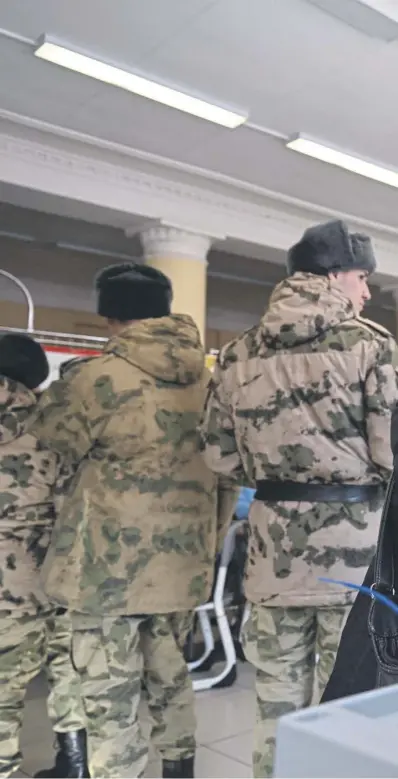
column 382, row 622
column 355, row 669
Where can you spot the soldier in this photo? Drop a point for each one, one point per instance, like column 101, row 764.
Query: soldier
column 28, row 477
column 64, row 701
column 136, row 538
column 300, row 407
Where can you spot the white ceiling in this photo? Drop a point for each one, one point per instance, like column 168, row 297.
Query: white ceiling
column 293, row 67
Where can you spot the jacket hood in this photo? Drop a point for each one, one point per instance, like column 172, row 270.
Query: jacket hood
column 301, row 308
column 168, row 348
column 16, row 406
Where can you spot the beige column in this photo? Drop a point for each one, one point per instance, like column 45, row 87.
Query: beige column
column 182, row 256
column 395, row 295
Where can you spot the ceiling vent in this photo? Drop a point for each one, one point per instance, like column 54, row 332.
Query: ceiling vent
column 375, row 18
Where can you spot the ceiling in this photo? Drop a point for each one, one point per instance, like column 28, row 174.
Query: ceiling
column 291, row 65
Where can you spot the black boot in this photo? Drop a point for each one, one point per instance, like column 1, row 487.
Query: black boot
column 71, row 759
column 178, row 769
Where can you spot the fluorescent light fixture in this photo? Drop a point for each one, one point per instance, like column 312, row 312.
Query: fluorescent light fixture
column 109, row 74
column 92, row 250
column 17, row 236
column 388, row 8
column 343, row 160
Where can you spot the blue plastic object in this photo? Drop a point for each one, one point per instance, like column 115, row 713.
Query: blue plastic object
column 366, row 590
column 245, row 500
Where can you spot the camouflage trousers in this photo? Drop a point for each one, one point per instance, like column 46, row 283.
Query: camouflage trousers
column 282, row 644
column 28, row 645
column 114, row 657
column 64, row 701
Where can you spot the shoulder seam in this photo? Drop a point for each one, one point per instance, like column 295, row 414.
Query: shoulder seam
column 234, row 342
column 374, row 327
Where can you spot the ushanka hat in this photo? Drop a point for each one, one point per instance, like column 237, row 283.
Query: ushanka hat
column 330, row 248
column 131, row 291
column 23, row 360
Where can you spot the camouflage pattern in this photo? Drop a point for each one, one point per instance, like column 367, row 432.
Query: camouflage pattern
column 168, row 685
column 112, row 656
column 31, row 482
column 64, row 701
column 27, row 475
column 305, row 396
column 137, row 530
column 23, row 653
column 27, row 642
column 281, row 643
column 32, row 636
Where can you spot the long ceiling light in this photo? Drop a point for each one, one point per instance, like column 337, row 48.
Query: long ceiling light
column 340, row 159
column 109, row 74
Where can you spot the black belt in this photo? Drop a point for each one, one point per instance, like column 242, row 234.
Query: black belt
column 280, row 491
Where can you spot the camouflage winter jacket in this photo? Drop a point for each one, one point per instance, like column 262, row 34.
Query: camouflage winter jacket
column 27, row 476
column 137, row 531
column 305, row 396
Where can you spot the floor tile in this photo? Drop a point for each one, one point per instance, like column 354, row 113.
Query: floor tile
column 37, row 756
column 37, row 688
column 246, row 676
column 37, row 738
column 238, row 747
column 225, row 718
column 209, row 763
column 36, row 725
column 224, row 713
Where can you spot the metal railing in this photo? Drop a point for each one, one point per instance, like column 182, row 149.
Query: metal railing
column 29, row 300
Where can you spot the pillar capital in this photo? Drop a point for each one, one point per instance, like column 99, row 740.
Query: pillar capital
column 164, row 241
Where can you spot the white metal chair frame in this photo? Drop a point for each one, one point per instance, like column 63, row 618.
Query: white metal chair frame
column 217, row 607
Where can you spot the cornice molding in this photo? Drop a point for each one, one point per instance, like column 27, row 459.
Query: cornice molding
column 67, row 164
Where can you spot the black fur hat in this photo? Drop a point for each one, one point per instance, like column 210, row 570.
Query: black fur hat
column 330, row 248
column 23, row 360
column 130, row 291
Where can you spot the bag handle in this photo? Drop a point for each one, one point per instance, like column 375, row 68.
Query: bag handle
column 387, row 546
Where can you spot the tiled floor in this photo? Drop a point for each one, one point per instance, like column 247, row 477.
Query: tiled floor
column 225, row 727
